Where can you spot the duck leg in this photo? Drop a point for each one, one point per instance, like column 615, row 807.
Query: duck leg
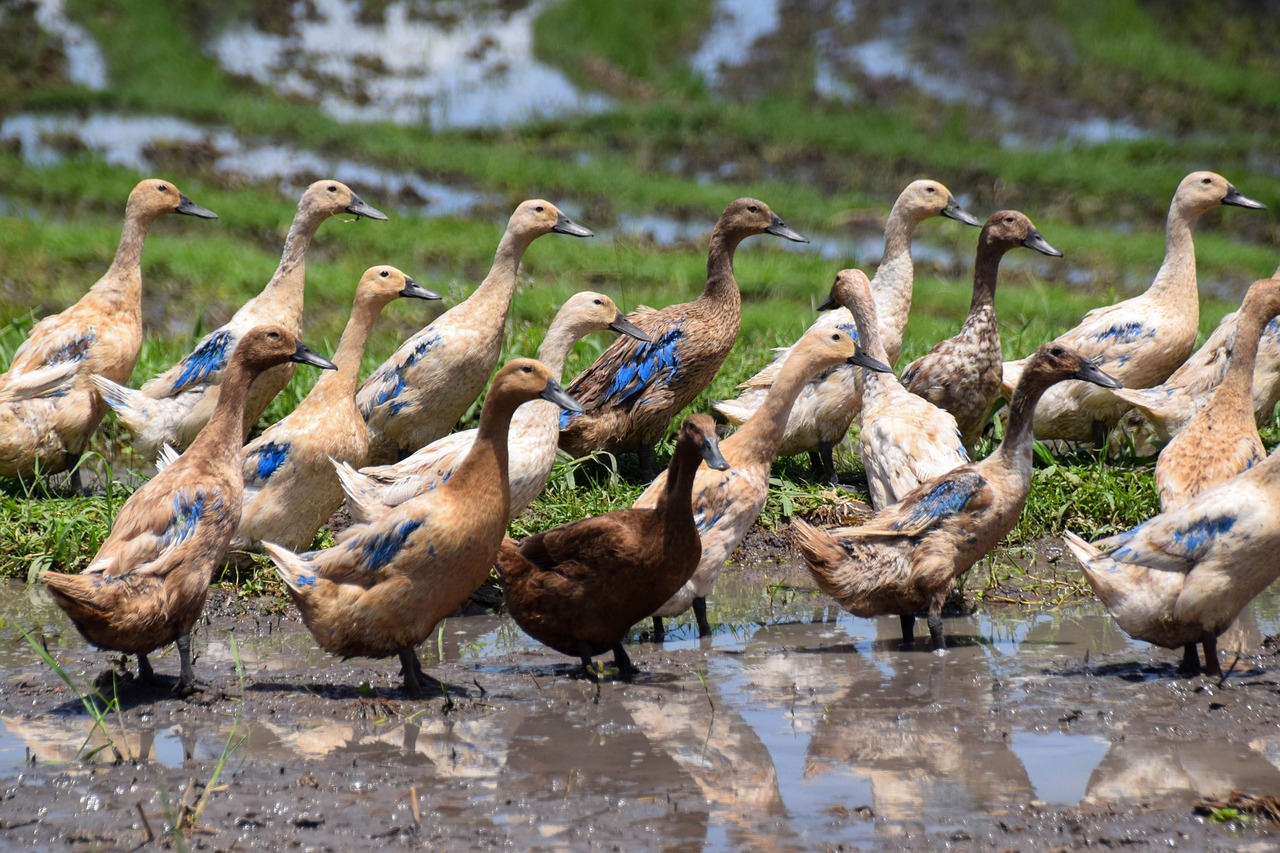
column 418, row 684
column 659, row 630
column 145, row 673
column 823, row 463
column 1190, row 661
column 700, row 613
column 1100, row 435
column 1211, row 665
column 584, row 652
column 648, row 461
column 908, row 630
column 935, row 631
column 622, row 661
column 187, row 674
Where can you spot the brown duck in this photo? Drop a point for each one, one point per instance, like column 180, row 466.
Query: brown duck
column 579, row 588
column 635, row 388
column 147, row 584
column 962, row 374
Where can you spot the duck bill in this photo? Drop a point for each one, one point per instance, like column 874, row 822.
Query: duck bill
column 829, row 304
column 565, row 225
column 623, row 325
column 1236, row 198
column 413, row 290
column 1090, row 372
column 304, row 354
column 557, row 395
column 359, row 207
column 778, row 228
column 187, row 207
column 711, row 454
column 861, row 359
column 959, row 214
column 1034, row 240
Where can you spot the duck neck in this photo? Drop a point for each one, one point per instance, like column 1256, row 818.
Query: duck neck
column 721, row 286
column 1237, row 385
column 895, row 276
column 223, row 435
column 986, row 270
column 677, row 499
column 556, row 345
column 493, row 296
column 1176, row 279
column 339, row 386
column 1019, row 433
column 285, row 290
column 124, row 278
column 488, row 455
column 763, row 432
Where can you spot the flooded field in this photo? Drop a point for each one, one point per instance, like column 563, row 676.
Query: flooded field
column 795, row 727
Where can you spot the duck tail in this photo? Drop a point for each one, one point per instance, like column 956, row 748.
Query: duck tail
column 361, row 491
column 1010, row 373
column 292, row 568
column 133, row 408
column 38, row 383
column 1098, row 567
column 823, row 554
column 166, row 457
column 738, row 410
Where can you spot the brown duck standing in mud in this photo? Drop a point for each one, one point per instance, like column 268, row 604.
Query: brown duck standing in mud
column 579, row 588
column 907, row 557
column 147, row 584
column 962, row 373
column 634, row 389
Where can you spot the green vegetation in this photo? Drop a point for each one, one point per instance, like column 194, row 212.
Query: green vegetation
column 670, row 145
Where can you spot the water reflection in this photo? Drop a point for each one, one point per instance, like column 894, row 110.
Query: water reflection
column 85, row 64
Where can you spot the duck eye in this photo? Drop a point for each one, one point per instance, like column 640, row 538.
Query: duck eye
column 527, row 369
column 1058, row 351
column 332, row 188
column 835, row 337
column 540, row 208
column 753, row 208
column 930, row 190
column 162, row 188
column 1009, row 220
column 384, row 273
column 598, row 302
column 1206, row 181
column 273, row 335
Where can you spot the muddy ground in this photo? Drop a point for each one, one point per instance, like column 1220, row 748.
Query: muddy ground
column 794, row 727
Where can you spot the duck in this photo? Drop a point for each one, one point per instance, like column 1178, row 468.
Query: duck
column 578, row 588
column 906, row 558
column 40, row 382
column 829, row 403
column 633, row 390
column 531, row 441
column 904, row 440
column 147, row 584
column 962, row 374
column 1140, row 340
column 727, row 502
column 173, row 407
column 1181, row 578
column 290, row 486
column 1168, row 407
column 1222, row 439
column 418, row 394
column 100, row 334
column 384, row 588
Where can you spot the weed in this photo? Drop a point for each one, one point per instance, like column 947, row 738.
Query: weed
column 97, row 706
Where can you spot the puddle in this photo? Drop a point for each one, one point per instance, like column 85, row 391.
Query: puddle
column 129, row 140
column 85, row 63
column 736, row 26
column 455, row 66
column 775, row 732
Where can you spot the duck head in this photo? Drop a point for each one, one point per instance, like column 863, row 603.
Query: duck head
column 382, row 284
column 266, row 346
column 589, row 312
column 1203, row 191
column 330, row 197
column 155, row 197
column 833, row 347
column 536, row 217
column 525, row 379
column 1053, row 362
column 746, row 216
column 1007, row 229
column 1263, row 298
column 927, row 198
column 699, row 431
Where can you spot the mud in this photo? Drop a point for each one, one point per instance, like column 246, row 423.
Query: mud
column 795, row 726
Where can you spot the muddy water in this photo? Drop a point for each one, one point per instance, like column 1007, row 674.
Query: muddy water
column 795, row 726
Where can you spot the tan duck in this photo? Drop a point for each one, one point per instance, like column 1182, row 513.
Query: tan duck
column 579, row 588
column 905, row 440
column 1170, row 406
column 532, row 439
column 173, row 407
column 1222, row 439
column 829, row 403
column 383, row 589
column 418, row 394
column 102, row 333
column 962, row 373
column 907, row 557
column 147, row 584
column 290, row 485
column 1140, row 340
column 726, row 503
column 1181, row 578
column 634, row 389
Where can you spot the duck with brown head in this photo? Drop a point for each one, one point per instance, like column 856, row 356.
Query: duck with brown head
column 962, row 373
column 173, row 407
column 906, row 558
column 147, row 584
column 383, row 588
column 579, row 588
column 634, row 389
column 100, row 334
column 417, row 395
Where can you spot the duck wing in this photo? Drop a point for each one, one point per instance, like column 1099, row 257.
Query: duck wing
column 202, row 366
column 931, row 505
column 154, row 525
column 630, row 367
column 52, row 342
column 1176, row 541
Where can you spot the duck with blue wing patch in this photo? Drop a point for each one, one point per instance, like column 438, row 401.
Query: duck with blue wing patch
column 47, row 414
column 147, row 584
column 634, row 389
column 906, row 559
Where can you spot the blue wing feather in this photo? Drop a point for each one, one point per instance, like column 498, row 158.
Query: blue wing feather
column 207, row 359
column 944, row 500
column 658, row 358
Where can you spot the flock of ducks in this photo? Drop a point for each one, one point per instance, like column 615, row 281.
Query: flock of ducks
column 431, row 508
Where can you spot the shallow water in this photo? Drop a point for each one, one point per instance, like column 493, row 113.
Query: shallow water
column 775, row 731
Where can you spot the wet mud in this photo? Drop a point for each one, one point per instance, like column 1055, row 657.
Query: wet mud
column 795, row 726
